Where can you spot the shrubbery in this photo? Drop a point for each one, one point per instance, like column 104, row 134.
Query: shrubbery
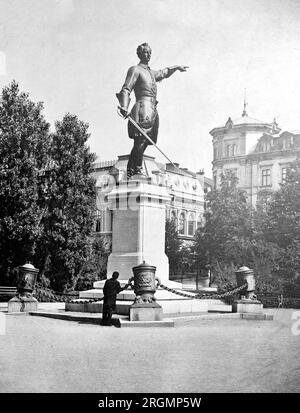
column 266, row 239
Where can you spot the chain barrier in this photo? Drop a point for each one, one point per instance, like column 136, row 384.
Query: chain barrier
column 205, row 296
column 47, row 293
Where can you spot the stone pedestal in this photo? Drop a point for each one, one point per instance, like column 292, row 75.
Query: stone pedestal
column 22, row 304
column 138, row 230
column 247, row 306
column 145, row 312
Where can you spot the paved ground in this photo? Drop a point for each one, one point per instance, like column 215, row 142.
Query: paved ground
column 46, row 355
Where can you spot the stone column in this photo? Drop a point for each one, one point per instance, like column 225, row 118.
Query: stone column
column 138, row 227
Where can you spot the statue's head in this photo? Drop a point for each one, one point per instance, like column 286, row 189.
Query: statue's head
column 144, row 52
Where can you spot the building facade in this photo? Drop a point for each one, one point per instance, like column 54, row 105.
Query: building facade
column 186, row 188
column 258, row 153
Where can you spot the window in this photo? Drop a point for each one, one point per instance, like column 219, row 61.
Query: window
column 266, row 177
column 191, row 224
column 233, row 150
column 110, row 219
column 227, row 150
column 181, row 228
column 283, row 175
column 215, row 153
column 173, row 217
column 98, row 221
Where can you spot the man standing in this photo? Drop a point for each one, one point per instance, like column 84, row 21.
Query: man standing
column 142, row 80
column 111, row 288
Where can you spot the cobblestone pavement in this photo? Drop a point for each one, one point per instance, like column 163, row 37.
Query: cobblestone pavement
column 46, row 355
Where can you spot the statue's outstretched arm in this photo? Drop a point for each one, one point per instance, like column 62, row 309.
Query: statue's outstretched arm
column 168, row 71
column 173, row 69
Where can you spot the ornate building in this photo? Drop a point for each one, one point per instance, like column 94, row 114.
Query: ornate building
column 185, row 187
column 257, row 152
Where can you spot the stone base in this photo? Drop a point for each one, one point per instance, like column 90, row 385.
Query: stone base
column 22, row 304
column 166, row 322
column 138, row 227
column 247, row 306
column 145, row 312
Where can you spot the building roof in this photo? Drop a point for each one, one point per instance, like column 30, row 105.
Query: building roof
column 247, row 120
column 208, row 181
column 243, row 120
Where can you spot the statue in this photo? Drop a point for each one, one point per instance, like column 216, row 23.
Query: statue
column 142, row 80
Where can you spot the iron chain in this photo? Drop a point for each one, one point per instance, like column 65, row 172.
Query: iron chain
column 49, row 294
column 205, row 296
column 42, row 292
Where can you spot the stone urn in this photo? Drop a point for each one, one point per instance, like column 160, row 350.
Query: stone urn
column 144, row 283
column 245, row 275
column 145, row 307
column 27, row 278
column 24, row 300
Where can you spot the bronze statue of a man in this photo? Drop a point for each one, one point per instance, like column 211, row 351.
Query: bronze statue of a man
column 142, row 80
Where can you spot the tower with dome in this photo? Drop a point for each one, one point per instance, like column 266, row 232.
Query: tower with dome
column 257, row 152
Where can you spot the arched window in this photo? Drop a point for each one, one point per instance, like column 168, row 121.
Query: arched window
column 233, row 150
column 191, row 224
column 181, row 227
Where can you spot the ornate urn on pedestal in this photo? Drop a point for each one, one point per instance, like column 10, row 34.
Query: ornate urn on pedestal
column 245, row 275
column 247, row 302
column 27, row 278
column 144, row 285
column 24, row 300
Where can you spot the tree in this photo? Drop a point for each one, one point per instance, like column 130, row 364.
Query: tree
column 66, row 244
column 95, row 268
column 227, row 224
column 172, row 245
column 280, row 224
column 283, row 211
column 230, row 238
column 24, row 149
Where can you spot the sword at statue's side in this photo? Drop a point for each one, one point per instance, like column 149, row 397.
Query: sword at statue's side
column 145, row 135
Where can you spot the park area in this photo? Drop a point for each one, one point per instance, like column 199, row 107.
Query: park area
column 229, row 356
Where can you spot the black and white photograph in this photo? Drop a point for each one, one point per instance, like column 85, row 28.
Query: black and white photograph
column 149, row 201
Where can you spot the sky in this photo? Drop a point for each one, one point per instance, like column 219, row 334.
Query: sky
column 73, row 55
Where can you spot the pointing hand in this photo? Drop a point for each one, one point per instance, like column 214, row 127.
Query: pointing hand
column 182, row 68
